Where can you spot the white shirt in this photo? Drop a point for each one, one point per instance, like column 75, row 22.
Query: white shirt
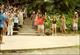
column 16, row 20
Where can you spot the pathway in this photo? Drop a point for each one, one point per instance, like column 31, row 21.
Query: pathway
column 27, row 28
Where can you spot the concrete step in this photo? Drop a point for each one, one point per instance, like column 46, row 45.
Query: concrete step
column 38, row 42
column 27, row 33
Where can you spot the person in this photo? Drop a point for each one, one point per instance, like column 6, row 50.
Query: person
column 24, row 14
column 2, row 21
column 75, row 22
column 33, row 17
column 54, row 24
column 10, row 24
column 35, row 22
column 6, row 23
column 16, row 22
column 20, row 15
column 63, row 24
column 40, row 21
column 36, row 19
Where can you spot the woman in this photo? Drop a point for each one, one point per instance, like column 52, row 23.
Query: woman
column 54, row 24
column 75, row 22
column 63, row 24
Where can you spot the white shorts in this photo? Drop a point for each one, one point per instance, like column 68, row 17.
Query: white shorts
column 40, row 27
column 53, row 25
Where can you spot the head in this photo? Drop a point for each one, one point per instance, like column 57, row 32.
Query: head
column 2, row 6
column 33, row 12
column 54, row 17
column 38, row 10
column 75, row 13
column 40, row 15
column 15, row 15
column 62, row 16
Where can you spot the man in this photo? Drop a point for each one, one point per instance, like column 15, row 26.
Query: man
column 2, row 21
column 40, row 21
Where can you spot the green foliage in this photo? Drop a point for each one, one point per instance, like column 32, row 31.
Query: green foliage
column 1, row 0
column 79, row 24
column 69, row 22
column 66, row 5
column 47, row 23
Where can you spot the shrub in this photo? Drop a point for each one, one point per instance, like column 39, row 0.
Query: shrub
column 79, row 24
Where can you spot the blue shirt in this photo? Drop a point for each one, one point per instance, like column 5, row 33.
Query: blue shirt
column 2, row 20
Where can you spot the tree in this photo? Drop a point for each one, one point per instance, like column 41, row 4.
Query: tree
column 66, row 5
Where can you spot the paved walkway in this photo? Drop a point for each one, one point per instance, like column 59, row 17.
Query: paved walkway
column 33, row 42
column 27, row 27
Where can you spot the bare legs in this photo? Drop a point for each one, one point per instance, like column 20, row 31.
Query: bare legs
column 1, row 33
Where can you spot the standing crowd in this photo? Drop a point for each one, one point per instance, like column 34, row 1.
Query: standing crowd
column 11, row 18
column 39, row 19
